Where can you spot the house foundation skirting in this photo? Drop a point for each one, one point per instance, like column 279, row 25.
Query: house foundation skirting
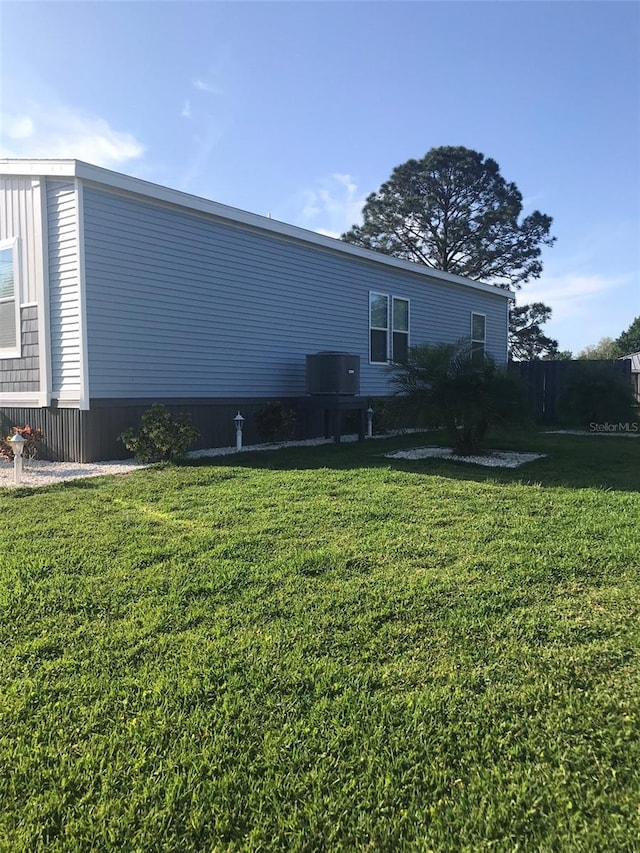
column 73, row 435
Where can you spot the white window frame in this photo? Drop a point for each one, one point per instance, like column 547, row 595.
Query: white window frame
column 395, row 331
column 378, row 328
column 16, row 350
column 483, row 340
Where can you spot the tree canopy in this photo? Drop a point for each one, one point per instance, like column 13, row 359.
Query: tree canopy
column 526, row 338
column 629, row 341
column 605, row 349
column 453, row 211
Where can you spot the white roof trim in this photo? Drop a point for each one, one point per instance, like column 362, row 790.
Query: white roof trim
column 117, row 180
column 634, row 358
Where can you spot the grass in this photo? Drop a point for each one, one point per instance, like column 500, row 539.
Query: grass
column 323, row 649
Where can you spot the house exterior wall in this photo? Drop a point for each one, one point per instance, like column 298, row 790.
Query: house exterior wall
column 183, row 305
column 132, row 294
column 21, row 216
column 23, row 374
column 64, row 290
column 21, row 219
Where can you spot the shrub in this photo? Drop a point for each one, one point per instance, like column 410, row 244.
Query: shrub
column 593, row 393
column 388, row 417
column 161, row 436
column 275, row 422
column 450, row 386
column 32, row 438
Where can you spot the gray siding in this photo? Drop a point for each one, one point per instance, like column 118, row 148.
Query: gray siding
column 21, row 216
column 23, row 374
column 182, row 305
column 64, row 288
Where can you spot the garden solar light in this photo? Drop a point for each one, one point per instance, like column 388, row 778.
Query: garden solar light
column 370, row 421
column 17, row 445
column 239, row 422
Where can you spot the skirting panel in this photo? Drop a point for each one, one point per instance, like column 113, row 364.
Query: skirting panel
column 63, row 430
column 72, row 435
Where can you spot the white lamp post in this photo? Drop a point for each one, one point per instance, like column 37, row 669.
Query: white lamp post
column 370, row 422
column 239, row 422
column 17, row 445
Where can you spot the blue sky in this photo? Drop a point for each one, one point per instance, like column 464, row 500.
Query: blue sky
column 301, row 109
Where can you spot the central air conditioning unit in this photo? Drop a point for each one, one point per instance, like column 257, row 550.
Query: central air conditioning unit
column 335, row 373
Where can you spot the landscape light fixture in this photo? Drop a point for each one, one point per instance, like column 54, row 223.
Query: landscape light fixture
column 17, row 443
column 239, row 422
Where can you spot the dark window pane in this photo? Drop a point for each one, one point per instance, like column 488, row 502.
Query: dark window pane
column 378, row 345
column 477, row 352
column 400, row 346
column 478, row 327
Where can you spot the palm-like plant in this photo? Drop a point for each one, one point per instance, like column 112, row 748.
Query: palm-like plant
column 453, row 386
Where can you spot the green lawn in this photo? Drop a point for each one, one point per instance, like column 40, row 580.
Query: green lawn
column 326, row 650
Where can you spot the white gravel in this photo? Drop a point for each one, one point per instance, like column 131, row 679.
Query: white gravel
column 614, row 432
column 37, row 472
column 228, row 451
column 494, row 458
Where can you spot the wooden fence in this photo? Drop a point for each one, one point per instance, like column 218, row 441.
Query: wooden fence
column 546, row 380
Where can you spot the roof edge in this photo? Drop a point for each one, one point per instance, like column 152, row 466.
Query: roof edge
column 138, row 186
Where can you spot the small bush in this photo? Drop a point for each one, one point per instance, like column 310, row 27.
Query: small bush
column 448, row 386
column 161, row 436
column 32, row 438
column 275, row 422
column 387, row 417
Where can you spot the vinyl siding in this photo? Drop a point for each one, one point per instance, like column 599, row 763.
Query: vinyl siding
column 185, row 305
column 64, row 289
column 21, row 216
column 23, row 374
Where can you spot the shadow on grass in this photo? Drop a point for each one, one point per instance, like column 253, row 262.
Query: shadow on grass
column 574, row 462
column 609, row 463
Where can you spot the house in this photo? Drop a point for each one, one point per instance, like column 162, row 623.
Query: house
column 116, row 293
column 634, row 358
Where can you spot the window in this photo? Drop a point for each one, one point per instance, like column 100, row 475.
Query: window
column 378, row 328
column 388, row 327
column 9, row 302
column 478, row 337
column 400, row 329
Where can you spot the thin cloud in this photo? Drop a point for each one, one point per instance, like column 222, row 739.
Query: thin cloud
column 51, row 132
column 186, row 110
column 19, row 127
column 570, row 295
column 201, row 151
column 530, row 201
column 332, row 206
column 204, row 86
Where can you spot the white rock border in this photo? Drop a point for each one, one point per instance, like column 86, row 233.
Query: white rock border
column 493, row 459
column 611, row 433
column 38, row 473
